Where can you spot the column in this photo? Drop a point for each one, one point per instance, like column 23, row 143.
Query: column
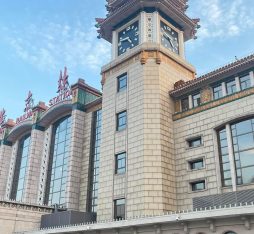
column 252, row 78
column 114, row 45
column 231, row 156
column 237, row 82
column 224, row 89
column 143, row 27
column 181, row 45
column 190, row 102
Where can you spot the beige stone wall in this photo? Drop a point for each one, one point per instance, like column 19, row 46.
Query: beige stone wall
column 204, row 123
column 13, row 219
column 5, row 160
column 85, row 162
column 34, row 166
column 149, row 183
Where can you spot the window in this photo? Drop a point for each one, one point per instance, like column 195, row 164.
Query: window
column 58, row 162
column 198, row 185
column 195, row 142
column 18, row 185
column 120, row 167
column 224, row 159
column 95, row 159
column 217, row 92
column 196, row 164
column 245, row 82
column 121, row 121
column 230, row 232
column 121, row 83
column 119, row 209
column 231, row 87
column 196, row 101
column 185, row 104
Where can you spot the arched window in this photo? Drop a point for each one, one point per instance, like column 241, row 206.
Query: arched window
column 18, row 185
column 229, row 232
column 240, row 137
column 58, row 162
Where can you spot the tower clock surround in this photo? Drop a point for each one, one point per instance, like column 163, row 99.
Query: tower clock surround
column 147, row 28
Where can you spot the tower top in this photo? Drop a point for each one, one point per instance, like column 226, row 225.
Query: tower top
column 121, row 10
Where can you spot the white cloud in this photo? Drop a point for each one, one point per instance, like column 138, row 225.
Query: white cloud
column 222, row 18
column 50, row 46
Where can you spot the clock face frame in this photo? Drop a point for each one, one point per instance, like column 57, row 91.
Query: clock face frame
column 169, row 38
column 128, row 38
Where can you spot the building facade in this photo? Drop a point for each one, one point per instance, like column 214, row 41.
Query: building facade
column 160, row 151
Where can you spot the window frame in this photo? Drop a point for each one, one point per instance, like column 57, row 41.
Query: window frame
column 193, row 100
column 116, row 216
column 243, row 76
column 226, row 84
column 117, row 169
column 122, row 126
column 190, row 162
column 190, row 140
column 125, row 78
column 216, row 86
column 198, row 181
column 188, row 105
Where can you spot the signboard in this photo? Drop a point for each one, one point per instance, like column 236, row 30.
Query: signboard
column 29, row 102
column 64, row 90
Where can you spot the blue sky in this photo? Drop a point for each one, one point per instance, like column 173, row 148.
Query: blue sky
column 38, row 38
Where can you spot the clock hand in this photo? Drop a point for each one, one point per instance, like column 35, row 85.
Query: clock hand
column 125, row 39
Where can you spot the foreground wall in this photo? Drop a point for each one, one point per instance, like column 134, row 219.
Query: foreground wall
column 16, row 217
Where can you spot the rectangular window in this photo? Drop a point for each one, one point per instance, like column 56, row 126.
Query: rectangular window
column 185, row 104
column 121, row 121
column 119, row 209
column 217, row 92
column 195, row 142
column 122, row 82
column 196, row 100
column 231, row 87
column 196, row 164
column 245, row 82
column 198, row 185
column 120, row 166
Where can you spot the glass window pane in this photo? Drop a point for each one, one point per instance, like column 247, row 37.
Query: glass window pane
column 217, row 92
column 231, row 87
column 185, row 104
column 196, row 100
column 247, row 158
column 244, row 127
column 245, row 141
column 248, row 175
column 245, row 82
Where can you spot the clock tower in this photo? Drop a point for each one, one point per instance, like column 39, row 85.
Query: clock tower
column 147, row 38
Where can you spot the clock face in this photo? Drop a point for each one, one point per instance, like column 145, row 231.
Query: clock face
column 169, row 38
column 128, row 38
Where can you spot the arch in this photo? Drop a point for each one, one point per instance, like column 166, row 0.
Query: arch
column 20, row 130
column 229, row 232
column 55, row 112
column 235, row 119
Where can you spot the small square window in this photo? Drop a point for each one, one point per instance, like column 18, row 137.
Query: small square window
column 217, row 92
column 121, row 121
column 196, row 142
column 245, row 82
column 185, row 104
column 196, row 100
column 121, row 82
column 119, row 209
column 196, row 164
column 120, row 166
column 231, row 87
column 198, row 185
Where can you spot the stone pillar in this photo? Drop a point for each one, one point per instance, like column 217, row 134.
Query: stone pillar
column 190, row 102
column 224, row 89
column 252, row 78
column 5, row 157
column 237, row 82
column 35, row 155
column 231, row 156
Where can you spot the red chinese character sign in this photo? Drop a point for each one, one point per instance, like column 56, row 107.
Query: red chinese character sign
column 2, row 120
column 64, row 90
column 29, row 104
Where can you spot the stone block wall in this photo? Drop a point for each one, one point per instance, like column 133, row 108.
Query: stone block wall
column 203, row 124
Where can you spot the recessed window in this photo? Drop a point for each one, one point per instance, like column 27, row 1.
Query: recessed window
column 198, row 185
column 196, row 164
column 185, row 104
column 196, row 100
column 121, row 82
column 245, row 82
column 231, row 87
column 119, row 209
column 121, row 120
column 196, row 142
column 120, row 167
column 217, row 92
